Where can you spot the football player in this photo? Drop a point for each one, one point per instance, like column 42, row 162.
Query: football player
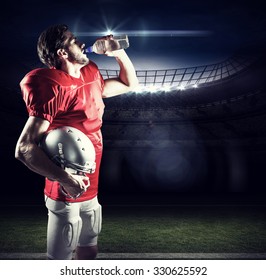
column 69, row 92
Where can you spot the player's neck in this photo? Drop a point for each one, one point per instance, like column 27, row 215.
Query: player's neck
column 72, row 69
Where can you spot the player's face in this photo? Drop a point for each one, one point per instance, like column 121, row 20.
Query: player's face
column 75, row 50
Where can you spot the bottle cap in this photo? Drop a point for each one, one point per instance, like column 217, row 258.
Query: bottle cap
column 89, row 49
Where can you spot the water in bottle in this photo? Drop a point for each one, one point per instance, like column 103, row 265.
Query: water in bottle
column 101, row 46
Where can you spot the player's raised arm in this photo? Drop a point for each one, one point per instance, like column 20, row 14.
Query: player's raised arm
column 127, row 80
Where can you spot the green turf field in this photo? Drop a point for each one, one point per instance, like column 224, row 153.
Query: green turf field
column 149, row 229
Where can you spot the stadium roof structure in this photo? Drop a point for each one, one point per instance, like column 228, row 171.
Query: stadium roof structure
column 187, row 77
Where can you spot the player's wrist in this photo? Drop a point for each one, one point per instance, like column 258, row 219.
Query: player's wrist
column 66, row 179
column 119, row 54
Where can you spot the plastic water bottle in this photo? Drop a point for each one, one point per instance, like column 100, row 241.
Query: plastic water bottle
column 101, row 46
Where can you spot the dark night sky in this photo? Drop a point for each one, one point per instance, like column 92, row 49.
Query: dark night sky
column 230, row 25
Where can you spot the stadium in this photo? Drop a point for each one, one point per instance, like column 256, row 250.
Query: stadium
column 183, row 169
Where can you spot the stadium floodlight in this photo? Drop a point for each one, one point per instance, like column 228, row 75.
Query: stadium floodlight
column 166, row 88
column 181, row 87
column 153, row 88
column 109, row 31
column 139, row 89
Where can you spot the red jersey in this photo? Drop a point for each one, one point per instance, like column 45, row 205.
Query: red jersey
column 61, row 99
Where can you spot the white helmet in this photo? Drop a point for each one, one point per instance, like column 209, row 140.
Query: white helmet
column 69, row 148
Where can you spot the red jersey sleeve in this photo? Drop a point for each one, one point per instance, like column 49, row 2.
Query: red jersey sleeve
column 40, row 92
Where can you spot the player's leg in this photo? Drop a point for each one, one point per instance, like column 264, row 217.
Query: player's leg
column 91, row 215
column 64, row 225
column 86, row 253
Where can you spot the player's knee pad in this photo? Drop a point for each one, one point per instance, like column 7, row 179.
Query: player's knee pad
column 96, row 221
column 91, row 227
column 92, row 220
column 63, row 241
column 70, row 233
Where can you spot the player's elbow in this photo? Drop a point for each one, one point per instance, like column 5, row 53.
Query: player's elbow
column 134, row 83
column 19, row 151
column 22, row 150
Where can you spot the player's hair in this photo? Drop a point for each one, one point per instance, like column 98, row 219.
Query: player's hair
column 51, row 40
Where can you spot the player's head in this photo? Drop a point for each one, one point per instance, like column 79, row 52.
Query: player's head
column 57, row 44
column 50, row 41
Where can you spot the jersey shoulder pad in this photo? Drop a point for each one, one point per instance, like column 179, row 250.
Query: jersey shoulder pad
column 45, row 75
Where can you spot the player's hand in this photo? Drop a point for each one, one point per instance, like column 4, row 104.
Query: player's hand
column 112, row 53
column 83, row 181
column 78, row 186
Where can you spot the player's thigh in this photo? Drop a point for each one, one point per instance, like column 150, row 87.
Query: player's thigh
column 91, row 215
column 64, row 226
